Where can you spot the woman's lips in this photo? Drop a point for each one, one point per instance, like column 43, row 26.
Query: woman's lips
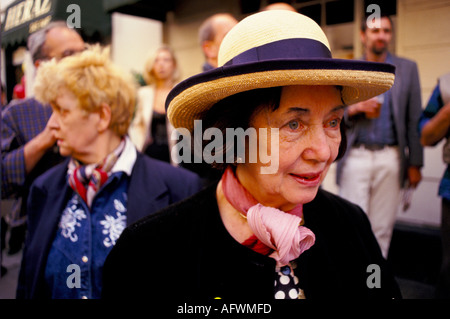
column 310, row 179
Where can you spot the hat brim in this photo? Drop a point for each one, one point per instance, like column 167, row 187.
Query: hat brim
column 360, row 81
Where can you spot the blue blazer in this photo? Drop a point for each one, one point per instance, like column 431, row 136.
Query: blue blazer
column 153, row 185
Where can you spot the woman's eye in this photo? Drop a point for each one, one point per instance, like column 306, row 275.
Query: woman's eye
column 334, row 123
column 293, row 125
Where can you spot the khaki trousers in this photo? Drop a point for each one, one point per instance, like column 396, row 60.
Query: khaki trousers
column 370, row 179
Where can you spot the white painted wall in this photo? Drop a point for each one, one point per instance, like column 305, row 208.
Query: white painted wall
column 134, row 39
column 423, row 36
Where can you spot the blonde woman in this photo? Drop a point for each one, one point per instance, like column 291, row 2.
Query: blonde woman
column 78, row 209
column 150, row 131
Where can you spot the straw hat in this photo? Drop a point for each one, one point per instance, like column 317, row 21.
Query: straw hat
column 269, row 49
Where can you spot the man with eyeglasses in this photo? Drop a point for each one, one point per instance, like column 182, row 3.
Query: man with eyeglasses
column 28, row 146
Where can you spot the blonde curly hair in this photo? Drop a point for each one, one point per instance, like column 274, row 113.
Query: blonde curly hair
column 93, row 79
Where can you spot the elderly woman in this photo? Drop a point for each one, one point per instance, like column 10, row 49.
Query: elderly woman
column 78, row 209
column 266, row 230
column 150, row 131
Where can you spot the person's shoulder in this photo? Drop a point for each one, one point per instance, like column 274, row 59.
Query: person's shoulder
column 397, row 60
column 331, row 210
column 52, row 176
column 178, row 216
column 326, row 195
column 164, row 170
column 22, row 111
column 175, row 221
column 28, row 103
column 336, row 203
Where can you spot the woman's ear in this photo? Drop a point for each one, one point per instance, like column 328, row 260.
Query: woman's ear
column 105, row 117
column 209, row 49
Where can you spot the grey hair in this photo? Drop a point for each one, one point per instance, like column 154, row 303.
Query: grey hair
column 206, row 31
column 36, row 40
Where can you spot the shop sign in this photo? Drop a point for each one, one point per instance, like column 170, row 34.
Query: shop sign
column 26, row 11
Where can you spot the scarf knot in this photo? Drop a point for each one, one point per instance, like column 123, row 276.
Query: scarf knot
column 87, row 180
column 280, row 232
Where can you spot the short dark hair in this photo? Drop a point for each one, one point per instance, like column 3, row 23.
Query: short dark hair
column 237, row 111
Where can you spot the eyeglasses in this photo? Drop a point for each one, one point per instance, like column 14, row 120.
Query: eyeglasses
column 65, row 54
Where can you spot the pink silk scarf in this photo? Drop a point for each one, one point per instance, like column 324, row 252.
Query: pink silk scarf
column 277, row 233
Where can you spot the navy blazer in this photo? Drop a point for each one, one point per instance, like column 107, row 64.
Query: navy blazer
column 153, row 185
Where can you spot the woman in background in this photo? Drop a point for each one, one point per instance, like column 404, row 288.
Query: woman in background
column 150, row 131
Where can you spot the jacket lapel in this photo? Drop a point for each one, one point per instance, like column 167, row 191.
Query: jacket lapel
column 145, row 196
column 395, row 92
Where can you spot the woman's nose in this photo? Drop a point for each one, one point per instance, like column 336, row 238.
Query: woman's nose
column 317, row 145
column 53, row 121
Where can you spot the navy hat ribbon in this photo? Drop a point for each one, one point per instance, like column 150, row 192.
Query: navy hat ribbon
column 298, row 48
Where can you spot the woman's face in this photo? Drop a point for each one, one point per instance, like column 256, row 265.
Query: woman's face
column 75, row 129
column 164, row 65
column 308, row 122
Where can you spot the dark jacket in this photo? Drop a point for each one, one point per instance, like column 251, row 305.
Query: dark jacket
column 153, row 185
column 185, row 252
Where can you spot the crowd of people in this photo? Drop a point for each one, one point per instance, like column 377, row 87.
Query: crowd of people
column 89, row 160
